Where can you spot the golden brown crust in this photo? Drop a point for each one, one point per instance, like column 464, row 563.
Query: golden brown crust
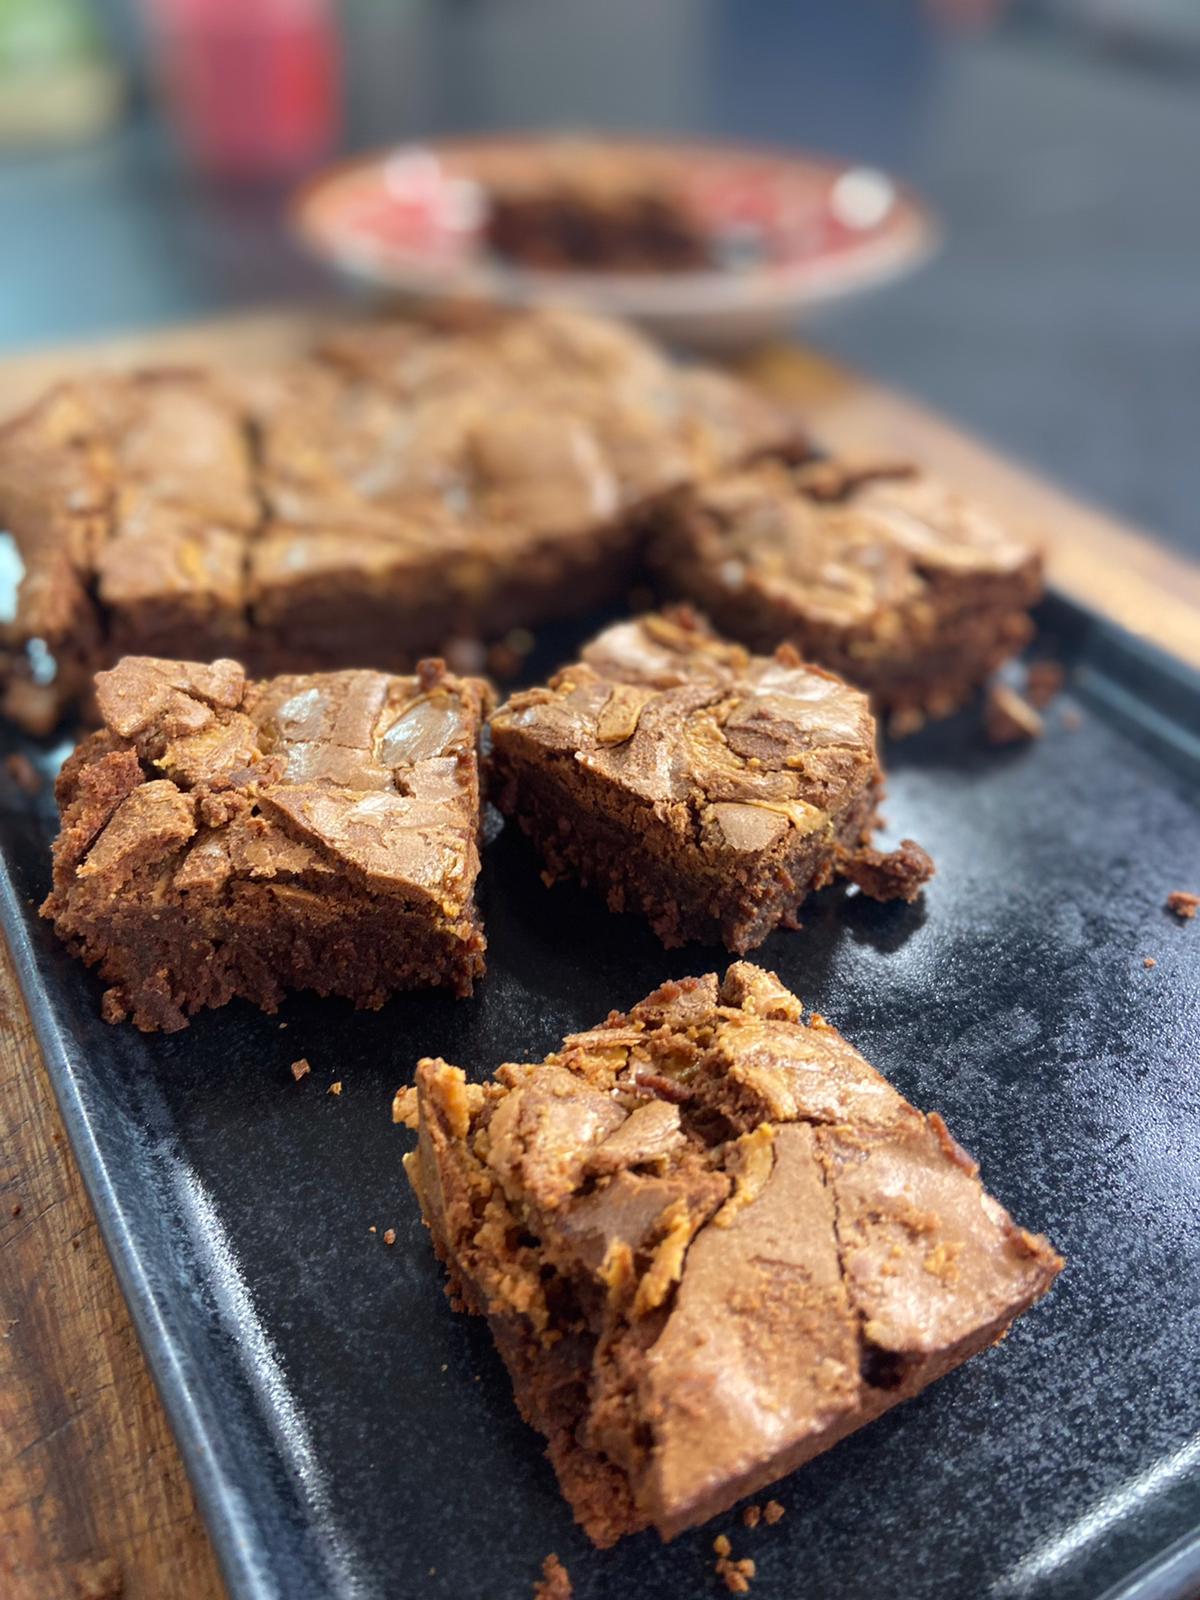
column 710, row 789
column 400, row 487
column 225, row 837
column 710, row 1240
column 877, row 570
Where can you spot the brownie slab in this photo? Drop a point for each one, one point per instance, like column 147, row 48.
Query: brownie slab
column 710, row 1241
column 708, row 789
column 878, row 571
column 400, row 487
column 225, row 838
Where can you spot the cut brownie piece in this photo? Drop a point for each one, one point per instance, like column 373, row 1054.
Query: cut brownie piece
column 710, row 1241
column 224, row 838
column 400, row 487
column 588, row 208
column 708, row 789
column 878, row 571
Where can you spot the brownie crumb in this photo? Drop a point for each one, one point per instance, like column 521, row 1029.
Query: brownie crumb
column 752, row 1516
column 404, row 1108
column 555, row 1581
column 1183, row 904
column 772, row 1513
column 892, row 875
column 389, row 1236
column 1008, row 719
column 1043, row 681
column 736, row 1574
column 335, row 1088
column 23, row 772
column 300, row 1069
column 1148, row 962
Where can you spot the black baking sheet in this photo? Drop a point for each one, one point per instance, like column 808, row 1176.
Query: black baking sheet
column 348, row 1435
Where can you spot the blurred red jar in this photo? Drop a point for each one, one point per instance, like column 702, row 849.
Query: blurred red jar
column 252, row 86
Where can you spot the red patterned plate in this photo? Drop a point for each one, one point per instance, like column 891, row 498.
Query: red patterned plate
column 781, row 231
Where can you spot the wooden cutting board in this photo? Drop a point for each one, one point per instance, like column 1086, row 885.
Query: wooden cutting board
column 93, row 1498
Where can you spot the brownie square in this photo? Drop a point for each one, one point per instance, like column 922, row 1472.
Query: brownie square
column 707, row 789
column 129, row 499
column 710, row 1241
column 878, row 571
column 225, row 838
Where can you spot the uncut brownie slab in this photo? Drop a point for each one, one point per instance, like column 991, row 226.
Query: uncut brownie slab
column 225, row 838
column 710, row 1241
column 708, row 789
column 399, row 487
column 878, row 571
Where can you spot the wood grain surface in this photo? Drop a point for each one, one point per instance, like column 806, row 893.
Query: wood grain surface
column 94, row 1502
column 93, row 1498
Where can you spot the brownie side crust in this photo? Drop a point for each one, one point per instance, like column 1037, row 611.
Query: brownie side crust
column 710, row 1241
column 877, row 571
column 225, row 838
column 708, row 790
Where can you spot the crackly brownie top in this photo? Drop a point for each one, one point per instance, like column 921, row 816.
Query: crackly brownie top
column 844, row 540
column 758, row 1227
column 359, row 774
column 398, row 434
column 740, row 747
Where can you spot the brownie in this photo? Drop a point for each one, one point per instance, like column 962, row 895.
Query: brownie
column 876, row 570
column 710, row 1241
column 401, row 487
column 707, row 789
column 223, row 838
column 596, row 211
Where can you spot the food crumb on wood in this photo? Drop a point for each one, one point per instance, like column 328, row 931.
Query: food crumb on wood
column 1183, row 903
column 1148, row 962
column 335, row 1088
column 555, row 1581
column 1007, row 718
column 98, row 1580
column 752, row 1516
column 389, row 1236
column 23, row 772
column 772, row 1513
column 301, row 1069
column 1043, row 681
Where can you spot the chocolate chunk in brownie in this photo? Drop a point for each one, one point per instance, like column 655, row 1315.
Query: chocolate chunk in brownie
column 705, row 788
column 398, row 488
column 225, row 838
column 881, row 573
column 710, row 1241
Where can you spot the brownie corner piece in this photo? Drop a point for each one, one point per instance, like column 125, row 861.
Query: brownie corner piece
column 710, row 1241
column 705, row 788
column 877, row 569
column 221, row 837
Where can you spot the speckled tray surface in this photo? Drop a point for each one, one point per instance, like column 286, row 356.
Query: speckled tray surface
column 348, row 1435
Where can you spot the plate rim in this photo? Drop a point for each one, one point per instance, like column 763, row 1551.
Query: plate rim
column 705, row 296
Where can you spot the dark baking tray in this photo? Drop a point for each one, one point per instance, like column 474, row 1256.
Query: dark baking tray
column 348, row 1435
